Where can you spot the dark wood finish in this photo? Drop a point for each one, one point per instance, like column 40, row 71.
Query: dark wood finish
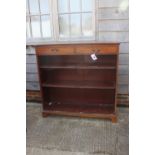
column 82, row 84
column 84, row 49
column 77, row 61
column 35, row 96
column 77, row 96
column 73, row 84
column 79, row 67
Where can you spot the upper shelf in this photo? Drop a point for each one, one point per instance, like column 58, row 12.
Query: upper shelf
column 78, row 61
column 76, row 67
column 80, row 84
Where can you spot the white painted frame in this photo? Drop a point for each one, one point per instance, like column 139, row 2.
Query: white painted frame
column 54, row 22
column 93, row 23
column 35, row 40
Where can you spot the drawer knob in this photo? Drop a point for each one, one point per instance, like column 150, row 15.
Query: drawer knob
column 54, row 50
column 96, row 50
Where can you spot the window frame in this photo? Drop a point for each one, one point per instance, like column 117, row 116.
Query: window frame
column 54, row 25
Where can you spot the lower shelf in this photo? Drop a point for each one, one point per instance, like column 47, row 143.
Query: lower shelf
column 93, row 111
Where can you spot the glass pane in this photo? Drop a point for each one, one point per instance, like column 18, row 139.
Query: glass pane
column 75, row 5
column 44, row 6
column 75, row 25
column 62, row 6
column 46, row 29
column 35, row 24
column 87, row 5
column 64, row 25
column 28, row 27
column 87, row 24
column 34, row 7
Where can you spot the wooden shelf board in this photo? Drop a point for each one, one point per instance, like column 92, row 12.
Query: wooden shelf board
column 80, row 84
column 81, row 109
column 77, row 67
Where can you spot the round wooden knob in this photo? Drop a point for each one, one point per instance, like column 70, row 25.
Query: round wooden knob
column 54, row 50
column 96, row 50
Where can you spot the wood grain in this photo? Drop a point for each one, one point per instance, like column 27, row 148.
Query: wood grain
column 32, row 85
column 122, row 69
column 123, row 57
column 124, row 48
column 112, row 13
column 123, row 79
column 55, row 50
column 31, row 58
column 32, row 77
column 112, row 3
column 114, row 36
column 122, row 88
column 31, row 68
column 77, row 49
column 114, row 25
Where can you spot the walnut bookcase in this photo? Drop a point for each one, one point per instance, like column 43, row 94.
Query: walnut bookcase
column 73, row 83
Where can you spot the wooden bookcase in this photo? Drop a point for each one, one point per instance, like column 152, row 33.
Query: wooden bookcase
column 75, row 84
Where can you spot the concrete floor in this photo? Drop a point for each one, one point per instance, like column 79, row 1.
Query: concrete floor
column 57, row 135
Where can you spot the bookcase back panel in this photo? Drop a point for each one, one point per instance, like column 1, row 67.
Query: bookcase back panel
column 89, row 75
column 63, row 60
column 77, row 96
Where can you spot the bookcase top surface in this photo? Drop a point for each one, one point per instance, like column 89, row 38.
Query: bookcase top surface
column 73, row 42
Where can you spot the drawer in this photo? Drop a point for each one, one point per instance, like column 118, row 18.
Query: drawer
column 98, row 49
column 55, row 50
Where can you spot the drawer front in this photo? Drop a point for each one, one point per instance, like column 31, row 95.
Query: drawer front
column 55, row 50
column 80, row 49
column 98, row 49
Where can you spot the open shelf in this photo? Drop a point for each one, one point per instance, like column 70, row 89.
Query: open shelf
column 76, row 67
column 78, row 78
column 77, row 61
column 77, row 108
column 76, row 96
column 81, row 84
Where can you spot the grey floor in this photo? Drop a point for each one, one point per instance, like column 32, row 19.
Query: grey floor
column 57, row 135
